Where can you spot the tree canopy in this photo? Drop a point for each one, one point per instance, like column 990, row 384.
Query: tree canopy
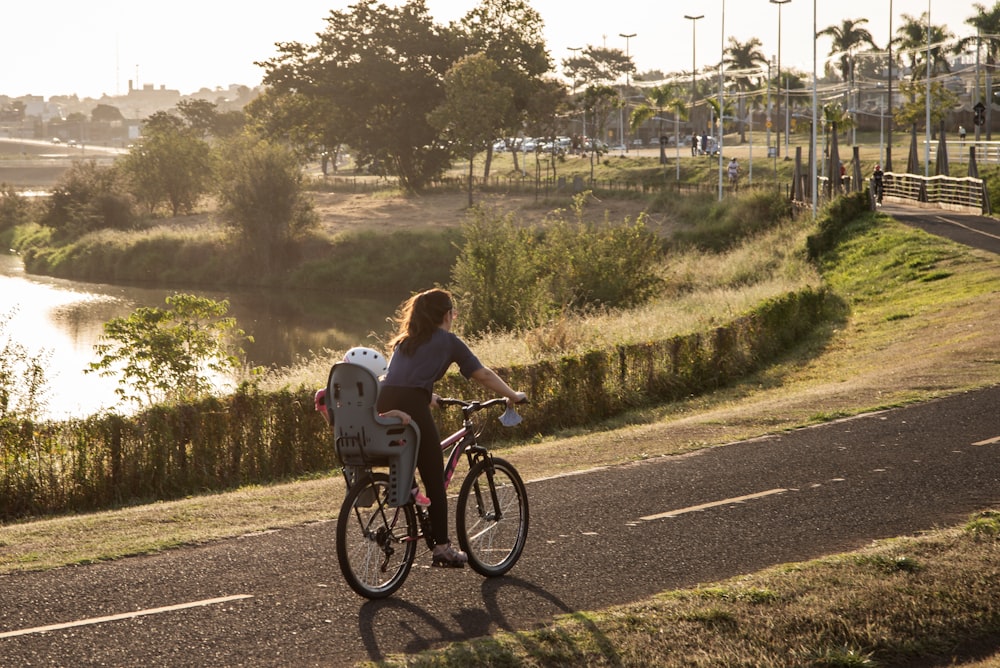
column 380, row 70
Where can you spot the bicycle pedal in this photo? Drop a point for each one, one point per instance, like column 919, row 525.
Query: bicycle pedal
column 446, row 563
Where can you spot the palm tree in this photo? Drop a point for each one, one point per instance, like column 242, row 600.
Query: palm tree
column 847, row 37
column 748, row 62
column 911, row 38
column 986, row 22
column 657, row 99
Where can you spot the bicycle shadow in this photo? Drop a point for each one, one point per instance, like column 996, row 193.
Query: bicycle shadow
column 410, row 629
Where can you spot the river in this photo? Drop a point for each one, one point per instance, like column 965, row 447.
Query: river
column 65, row 319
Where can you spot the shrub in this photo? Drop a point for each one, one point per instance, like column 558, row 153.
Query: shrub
column 496, row 275
column 263, row 200
column 167, row 354
column 89, row 197
column 511, row 278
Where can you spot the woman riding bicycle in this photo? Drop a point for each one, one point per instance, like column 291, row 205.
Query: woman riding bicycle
column 422, row 350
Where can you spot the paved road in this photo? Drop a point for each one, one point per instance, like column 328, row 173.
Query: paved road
column 599, row 538
column 977, row 231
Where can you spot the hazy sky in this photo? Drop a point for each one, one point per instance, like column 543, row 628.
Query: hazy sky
column 58, row 47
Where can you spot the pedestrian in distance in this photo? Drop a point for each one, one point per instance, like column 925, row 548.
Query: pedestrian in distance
column 734, row 173
column 877, row 177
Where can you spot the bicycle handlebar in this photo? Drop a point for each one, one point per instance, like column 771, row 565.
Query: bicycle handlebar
column 470, row 407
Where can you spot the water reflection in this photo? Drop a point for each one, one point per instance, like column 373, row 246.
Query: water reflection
column 65, row 318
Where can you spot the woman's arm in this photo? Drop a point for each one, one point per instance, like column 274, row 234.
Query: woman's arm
column 488, row 378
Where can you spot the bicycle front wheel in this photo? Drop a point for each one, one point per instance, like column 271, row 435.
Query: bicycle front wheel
column 492, row 516
column 376, row 543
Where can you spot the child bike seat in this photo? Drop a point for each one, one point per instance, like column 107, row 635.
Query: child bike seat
column 362, row 437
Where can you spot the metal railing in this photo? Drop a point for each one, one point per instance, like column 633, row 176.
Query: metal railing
column 946, row 192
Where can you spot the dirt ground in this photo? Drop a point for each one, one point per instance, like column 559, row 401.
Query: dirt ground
column 340, row 212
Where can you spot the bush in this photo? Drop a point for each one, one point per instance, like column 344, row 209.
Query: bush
column 14, row 208
column 510, row 277
column 716, row 226
column 263, row 200
column 495, row 275
column 89, row 197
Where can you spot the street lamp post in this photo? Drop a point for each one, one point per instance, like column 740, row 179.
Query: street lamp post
column 621, row 109
column 583, row 127
column 694, row 89
column 722, row 60
column 927, row 101
column 777, row 148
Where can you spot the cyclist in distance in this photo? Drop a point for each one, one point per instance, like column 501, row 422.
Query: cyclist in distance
column 423, row 348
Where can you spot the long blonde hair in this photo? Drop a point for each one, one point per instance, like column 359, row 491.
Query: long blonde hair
column 418, row 317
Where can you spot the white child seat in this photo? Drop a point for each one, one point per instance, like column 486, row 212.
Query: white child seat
column 363, row 438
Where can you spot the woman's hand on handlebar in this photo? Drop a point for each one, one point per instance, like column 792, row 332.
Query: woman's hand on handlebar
column 519, row 398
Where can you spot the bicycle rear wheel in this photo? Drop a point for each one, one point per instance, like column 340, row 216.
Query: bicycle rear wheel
column 492, row 516
column 376, row 543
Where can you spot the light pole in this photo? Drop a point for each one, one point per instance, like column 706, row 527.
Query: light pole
column 583, row 131
column 777, row 148
column 927, row 101
column 887, row 165
column 621, row 109
column 694, row 89
column 722, row 125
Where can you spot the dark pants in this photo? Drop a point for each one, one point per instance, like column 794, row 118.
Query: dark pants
column 417, row 403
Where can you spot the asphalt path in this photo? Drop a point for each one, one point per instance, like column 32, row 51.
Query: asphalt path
column 972, row 230
column 597, row 538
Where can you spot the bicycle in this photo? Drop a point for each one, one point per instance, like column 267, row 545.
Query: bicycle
column 377, row 543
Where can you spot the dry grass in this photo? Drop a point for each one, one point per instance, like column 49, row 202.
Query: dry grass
column 882, row 605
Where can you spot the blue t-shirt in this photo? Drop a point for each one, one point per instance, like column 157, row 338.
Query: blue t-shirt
column 430, row 361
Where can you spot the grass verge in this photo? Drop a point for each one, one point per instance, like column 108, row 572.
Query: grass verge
column 890, row 604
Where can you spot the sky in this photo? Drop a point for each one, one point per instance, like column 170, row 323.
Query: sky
column 63, row 47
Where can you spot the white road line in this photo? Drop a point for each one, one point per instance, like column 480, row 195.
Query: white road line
column 989, row 441
column 713, row 504
column 970, row 229
column 125, row 615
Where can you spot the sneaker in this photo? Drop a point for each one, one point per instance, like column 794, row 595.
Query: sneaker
column 419, row 498
column 445, row 556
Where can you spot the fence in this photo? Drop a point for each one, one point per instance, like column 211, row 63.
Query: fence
column 960, row 194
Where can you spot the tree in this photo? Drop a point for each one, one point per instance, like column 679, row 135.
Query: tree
column 172, row 165
column 847, row 37
column 657, row 99
column 262, row 199
column 381, row 69
column 105, row 113
column 598, row 103
column 22, row 376
column 598, row 65
column 914, row 112
column 911, row 39
column 309, row 123
column 89, row 197
column 746, row 60
column 509, row 32
column 474, row 107
column 986, row 21
column 170, row 354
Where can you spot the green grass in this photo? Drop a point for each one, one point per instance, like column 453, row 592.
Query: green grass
column 890, row 604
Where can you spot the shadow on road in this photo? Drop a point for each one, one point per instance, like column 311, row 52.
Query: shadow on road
column 414, row 629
